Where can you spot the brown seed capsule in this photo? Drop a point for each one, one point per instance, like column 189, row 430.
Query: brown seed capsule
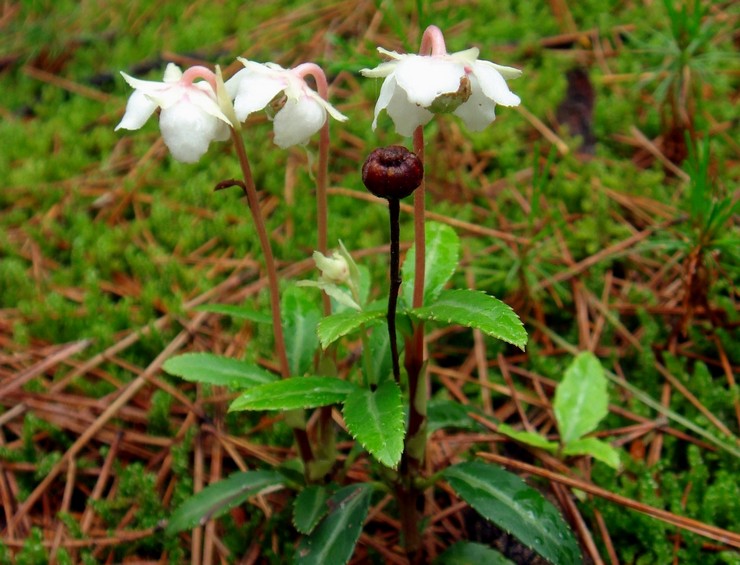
column 392, row 172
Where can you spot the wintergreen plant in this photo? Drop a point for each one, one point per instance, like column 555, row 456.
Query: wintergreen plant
column 383, row 406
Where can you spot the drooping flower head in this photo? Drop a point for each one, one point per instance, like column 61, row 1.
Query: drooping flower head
column 190, row 118
column 418, row 86
column 301, row 111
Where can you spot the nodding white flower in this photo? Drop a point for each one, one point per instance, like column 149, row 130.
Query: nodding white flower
column 299, row 113
column 190, row 118
column 418, row 86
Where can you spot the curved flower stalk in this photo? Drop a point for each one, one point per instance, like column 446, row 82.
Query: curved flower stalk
column 190, row 118
column 418, row 86
column 300, row 113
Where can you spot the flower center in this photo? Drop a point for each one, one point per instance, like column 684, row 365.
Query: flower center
column 451, row 101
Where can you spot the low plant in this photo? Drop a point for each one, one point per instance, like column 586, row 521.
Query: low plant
column 383, row 397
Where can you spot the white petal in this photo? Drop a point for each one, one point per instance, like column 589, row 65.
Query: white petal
column 172, row 73
column 255, row 91
column 201, row 94
column 425, row 78
column 187, row 131
column 147, row 86
column 333, row 112
column 479, row 110
column 381, row 71
column 386, row 93
column 493, row 84
column 138, row 110
column 507, row 72
column 297, row 121
column 406, row 115
column 468, row 57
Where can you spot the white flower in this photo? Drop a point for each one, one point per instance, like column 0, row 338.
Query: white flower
column 303, row 111
column 190, row 117
column 418, row 86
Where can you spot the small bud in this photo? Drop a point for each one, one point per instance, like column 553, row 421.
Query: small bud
column 392, row 172
column 333, row 269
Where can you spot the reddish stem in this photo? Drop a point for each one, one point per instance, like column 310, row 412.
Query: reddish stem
column 272, row 277
column 322, row 206
column 199, row 71
column 433, row 42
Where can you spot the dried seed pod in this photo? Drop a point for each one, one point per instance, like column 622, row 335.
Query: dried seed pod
column 392, row 172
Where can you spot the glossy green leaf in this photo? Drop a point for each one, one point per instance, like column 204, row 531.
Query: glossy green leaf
column 470, row 553
column 504, row 499
column 375, row 419
column 442, row 254
column 309, row 507
column 301, row 311
column 297, row 392
column 335, row 326
column 530, row 438
column 334, row 540
column 241, row 312
column 380, row 354
column 581, row 399
column 478, row 310
column 449, row 414
column 218, row 498
column 217, row 370
column 595, row 448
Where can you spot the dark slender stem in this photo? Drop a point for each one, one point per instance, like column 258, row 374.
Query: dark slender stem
column 394, row 211
column 272, row 277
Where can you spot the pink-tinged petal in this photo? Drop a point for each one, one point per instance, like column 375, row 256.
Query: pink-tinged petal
column 406, row 115
column 479, row 110
column 493, row 84
column 426, row 78
column 187, row 131
column 139, row 109
column 297, row 121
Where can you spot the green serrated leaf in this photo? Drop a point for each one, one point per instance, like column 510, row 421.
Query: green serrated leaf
column 309, row 507
column 379, row 354
column 217, row 370
column 375, row 419
column 530, row 438
column 450, row 414
column 297, row 392
column 470, row 553
column 595, row 448
column 334, row 540
column 504, row 499
column 242, row 312
column 218, row 498
column 475, row 309
column 301, row 314
column 442, row 254
column 581, row 399
column 333, row 327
